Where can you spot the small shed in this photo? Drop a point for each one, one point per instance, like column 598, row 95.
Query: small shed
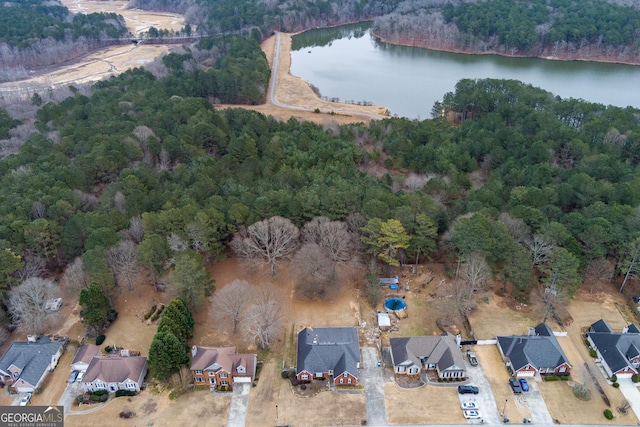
column 393, row 282
column 384, row 322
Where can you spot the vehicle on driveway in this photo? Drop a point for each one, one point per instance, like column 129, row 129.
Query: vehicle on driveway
column 25, row 399
column 80, row 376
column 470, row 405
column 524, row 385
column 471, row 414
column 467, row 389
column 73, row 376
column 515, row 386
column 473, row 360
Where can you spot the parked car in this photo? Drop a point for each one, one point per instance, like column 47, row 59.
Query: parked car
column 471, row 414
column 515, row 386
column 524, row 385
column 473, row 360
column 80, row 376
column 25, row 399
column 470, row 405
column 73, row 376
column 467, row 389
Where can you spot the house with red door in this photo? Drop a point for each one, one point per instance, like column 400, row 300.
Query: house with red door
column 537, row 353
column 331, row 353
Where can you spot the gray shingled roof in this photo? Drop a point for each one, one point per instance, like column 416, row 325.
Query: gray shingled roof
column 601, row 326
column 328, row 349
column 441, row 350
column 540, row 351
column 617, row 348
column 34, row 358
column 114, row 369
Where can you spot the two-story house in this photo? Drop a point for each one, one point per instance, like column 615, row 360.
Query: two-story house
column 221, row 367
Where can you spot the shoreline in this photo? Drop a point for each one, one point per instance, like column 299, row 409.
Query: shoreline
column 463, row 51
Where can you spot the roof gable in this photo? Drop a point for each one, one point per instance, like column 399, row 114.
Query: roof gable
column 115, row 369
column 617, row 349
column 441, row 350
column 221, row 358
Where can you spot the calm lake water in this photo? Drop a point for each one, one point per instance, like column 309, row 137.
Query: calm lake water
column 350, row 64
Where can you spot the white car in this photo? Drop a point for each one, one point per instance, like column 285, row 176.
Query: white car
column 80, row 376
column 25, row 399
column 470, row 405
column 471, row 414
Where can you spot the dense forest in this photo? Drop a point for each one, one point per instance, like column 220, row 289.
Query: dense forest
column 141, row 170
column 566, row 29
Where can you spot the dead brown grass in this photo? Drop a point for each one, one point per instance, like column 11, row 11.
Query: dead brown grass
column 425, row 405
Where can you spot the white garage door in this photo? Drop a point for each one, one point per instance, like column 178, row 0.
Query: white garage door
column 24, row 389
column 242, row 379
column 525, row 374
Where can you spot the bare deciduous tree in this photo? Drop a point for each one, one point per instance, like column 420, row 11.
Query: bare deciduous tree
column 333, row 237
column 473, row 276
column 315, row 273
column 540, row 247
column 177, row 243
column 181, row 381
column 122, row 259
column 516, row 227
column 551, row 302
column 269, row 240
column 599, row 271
column 230, row 302
column 263, row 321
column 75, row 276
column 34, row 266
column 38, row 209
column 120, row 201
column 27, row 304
column 135, row 232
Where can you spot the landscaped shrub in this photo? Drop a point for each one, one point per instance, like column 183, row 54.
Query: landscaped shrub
column 150, row 312
column 614, row 378
column 635, row 378
column 125, row 393
column 157, row 314
column 100, row 393
column 593, row 353
column 565, row 377
column 303, row 387
column 108, row 349
column 587, row 343
column 127, row 414
column 95, row 398
column 294, row 381
column 100, row 339
column 608, row 414
column 285, row 375
column 551, row 378
column 616, row 385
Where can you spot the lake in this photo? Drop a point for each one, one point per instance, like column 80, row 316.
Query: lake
column 350, row 64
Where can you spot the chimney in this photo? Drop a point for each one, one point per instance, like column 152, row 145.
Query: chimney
column 532, row 332
column 194, row 350
column 315, row 340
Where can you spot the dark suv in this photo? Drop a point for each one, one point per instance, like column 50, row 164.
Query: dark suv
column 515, row 386
column 467, row 389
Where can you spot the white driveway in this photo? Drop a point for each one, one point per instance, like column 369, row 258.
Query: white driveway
column 535, row 402
column 484, row 399
column 631, row 393
column 239, row 404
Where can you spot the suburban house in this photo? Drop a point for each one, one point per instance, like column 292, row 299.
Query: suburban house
column 619, row 351
column 84, row 355
column 26, row 364
column 332, row 353
column 536, row 353
column 221, row 366
column 115, row 373
column 411, row 355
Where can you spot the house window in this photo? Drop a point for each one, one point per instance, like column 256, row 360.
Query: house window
column 211, row 374
column 400, row 368
column 563, row 369
column 349, row 380
column 241, row 370
column 198, row 372
column 199, row 380
column 341, row 380
column 223, row 375
column 224, row 383
column 344, row 375
column 212, row 381
column 304, row 377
